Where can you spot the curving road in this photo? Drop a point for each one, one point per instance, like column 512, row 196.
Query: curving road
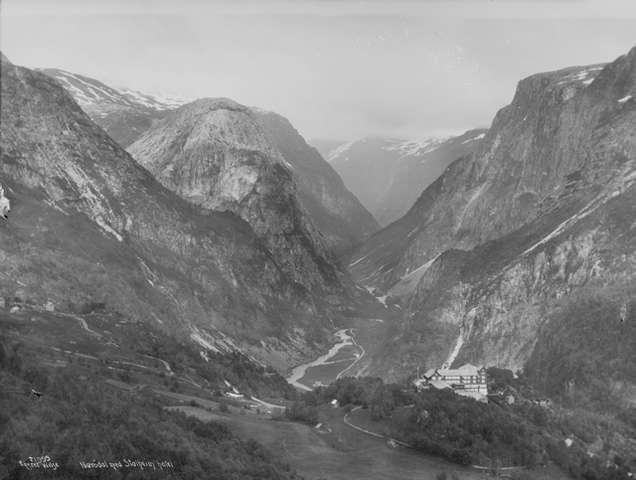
column 348, row 422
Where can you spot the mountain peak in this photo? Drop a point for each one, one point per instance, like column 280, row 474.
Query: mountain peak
column 215, row 152
column 215, row 103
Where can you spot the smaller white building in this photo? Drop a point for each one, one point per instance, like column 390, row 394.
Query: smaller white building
column 467, row 380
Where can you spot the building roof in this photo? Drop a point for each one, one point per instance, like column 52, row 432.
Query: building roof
column 465, row 370
column 440, row 384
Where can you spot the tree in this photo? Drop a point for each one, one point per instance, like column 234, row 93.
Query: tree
column 381, row 403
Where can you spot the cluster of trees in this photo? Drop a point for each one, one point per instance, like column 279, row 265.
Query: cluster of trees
column 78, row 420
column 468, row 432
column 369, row 392
column 465, row 431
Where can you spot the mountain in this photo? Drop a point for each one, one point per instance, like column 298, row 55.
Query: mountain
column 125, row 114
column 388, row 174
column 497, row 253
column 335, row 211
column 216, row 154
column 89, row 228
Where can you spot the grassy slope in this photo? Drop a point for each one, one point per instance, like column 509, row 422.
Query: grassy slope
column 81, row 418
column 339, row 454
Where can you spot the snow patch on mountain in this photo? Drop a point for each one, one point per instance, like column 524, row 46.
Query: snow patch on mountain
column 94, row 94
column 478, row 137
column 584, row 76
column 408, row 148
column 398, row 146
column 155, row 102
column 340, row 151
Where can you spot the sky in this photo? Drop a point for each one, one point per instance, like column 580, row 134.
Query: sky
column 338, row 69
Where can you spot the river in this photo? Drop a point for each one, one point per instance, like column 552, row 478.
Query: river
column 345, row 340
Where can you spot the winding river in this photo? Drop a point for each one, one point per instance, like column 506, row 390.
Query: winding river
column 345, row 339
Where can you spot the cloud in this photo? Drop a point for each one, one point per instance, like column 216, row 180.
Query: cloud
column 335, row 68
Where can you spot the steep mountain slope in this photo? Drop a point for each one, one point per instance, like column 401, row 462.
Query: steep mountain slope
column 584, row 354
column 215, row 153
column 335, row 211
column 388, row 174
column 544, row 211
column 545, row 146
column 88, row 226
column 125, row 114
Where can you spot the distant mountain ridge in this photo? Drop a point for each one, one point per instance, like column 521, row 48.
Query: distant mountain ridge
column 93, row 94
column 122, row 112
column 388, row 174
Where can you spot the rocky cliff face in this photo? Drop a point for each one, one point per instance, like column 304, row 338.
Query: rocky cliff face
column 335, row 211
column 216, row 153
column 389, row 174
column 558, row 139
column 89, row 226
column 507, row 237
column 125, row 114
